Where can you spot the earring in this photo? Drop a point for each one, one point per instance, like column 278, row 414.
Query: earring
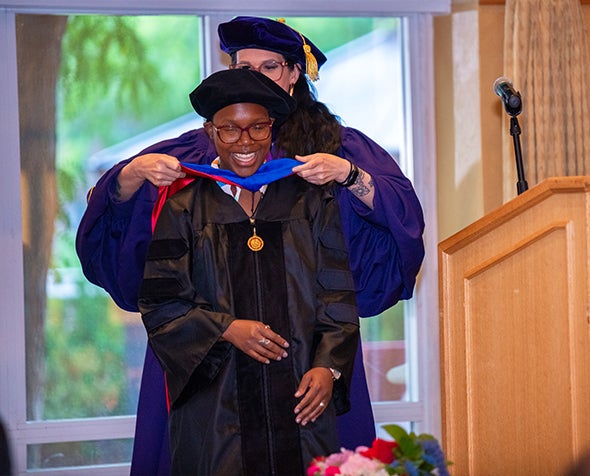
column 291, row 89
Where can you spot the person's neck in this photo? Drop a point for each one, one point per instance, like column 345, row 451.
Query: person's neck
column 249, row 201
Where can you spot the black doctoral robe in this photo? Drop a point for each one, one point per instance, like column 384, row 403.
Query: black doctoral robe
column 231, row 415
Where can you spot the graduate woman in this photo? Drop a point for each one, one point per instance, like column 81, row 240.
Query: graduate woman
column 248, row 299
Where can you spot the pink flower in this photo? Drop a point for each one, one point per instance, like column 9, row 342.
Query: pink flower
column 347, row 462
column 357, row 464
column 336, row 459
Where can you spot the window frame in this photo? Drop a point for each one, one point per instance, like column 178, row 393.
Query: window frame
column 425, row 411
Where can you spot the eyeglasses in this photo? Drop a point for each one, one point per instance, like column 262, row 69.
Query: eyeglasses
column 231, row 134
column 271, row 68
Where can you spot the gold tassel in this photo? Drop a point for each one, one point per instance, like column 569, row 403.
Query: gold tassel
column 311, row 64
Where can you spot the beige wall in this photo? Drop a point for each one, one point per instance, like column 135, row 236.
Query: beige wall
column 469, row 116
column 471, row 125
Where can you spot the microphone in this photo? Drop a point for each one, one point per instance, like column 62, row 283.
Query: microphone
column 511, row 98
column 513, row 105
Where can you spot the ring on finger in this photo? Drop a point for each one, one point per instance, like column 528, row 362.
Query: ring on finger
column 264, row 341
column 322, row 404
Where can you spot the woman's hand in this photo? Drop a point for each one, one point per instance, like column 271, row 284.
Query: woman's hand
column 321, row 168
column 159, row 169
column 316, row 390
column 256, row 340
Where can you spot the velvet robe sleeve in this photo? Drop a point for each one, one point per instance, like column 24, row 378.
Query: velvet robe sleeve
column 113, row 236
column 386, row 244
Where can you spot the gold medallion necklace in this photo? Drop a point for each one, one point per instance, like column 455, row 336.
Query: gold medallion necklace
column 255, row 243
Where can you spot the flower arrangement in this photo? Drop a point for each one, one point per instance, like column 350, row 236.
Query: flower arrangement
column 409, row 454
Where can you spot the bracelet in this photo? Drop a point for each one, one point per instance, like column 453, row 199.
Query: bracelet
column 352, row 176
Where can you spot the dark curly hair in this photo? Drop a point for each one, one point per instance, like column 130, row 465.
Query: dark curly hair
column 311, row 128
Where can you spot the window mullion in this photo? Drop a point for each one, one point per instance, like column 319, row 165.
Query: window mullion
column 12, row 332
column 420, row 57
column 12, row 322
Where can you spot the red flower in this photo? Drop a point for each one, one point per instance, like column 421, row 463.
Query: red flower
column 332, row 470
column 381, row 450
column 313, row 470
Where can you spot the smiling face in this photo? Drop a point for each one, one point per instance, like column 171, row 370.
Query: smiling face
column 245, row 156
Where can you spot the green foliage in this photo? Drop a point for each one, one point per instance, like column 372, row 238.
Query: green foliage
column 119, row 76
column 389, row 325
column 408, row 443
column 104, row 60
column 85, row 353
column 123, row 75
column 416, row 454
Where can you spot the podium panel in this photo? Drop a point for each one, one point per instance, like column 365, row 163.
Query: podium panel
column 515, row 341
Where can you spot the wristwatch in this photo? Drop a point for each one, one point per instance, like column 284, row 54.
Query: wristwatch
column 335, row 374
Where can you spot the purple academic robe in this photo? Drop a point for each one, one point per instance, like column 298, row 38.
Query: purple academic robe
column 386, row 252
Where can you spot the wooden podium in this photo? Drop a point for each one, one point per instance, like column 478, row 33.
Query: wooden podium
column 515, row 340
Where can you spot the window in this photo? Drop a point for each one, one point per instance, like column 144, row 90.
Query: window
column 53, row 430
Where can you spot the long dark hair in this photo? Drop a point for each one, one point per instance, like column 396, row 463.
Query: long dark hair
column 311, row 128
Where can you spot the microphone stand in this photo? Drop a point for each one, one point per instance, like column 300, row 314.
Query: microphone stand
column 513, row 109
column 522, row 184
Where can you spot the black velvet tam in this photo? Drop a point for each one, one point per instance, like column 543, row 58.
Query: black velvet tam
column 266, row 34
column 233, row 86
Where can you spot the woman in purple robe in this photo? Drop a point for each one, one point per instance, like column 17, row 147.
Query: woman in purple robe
column 382, row 217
